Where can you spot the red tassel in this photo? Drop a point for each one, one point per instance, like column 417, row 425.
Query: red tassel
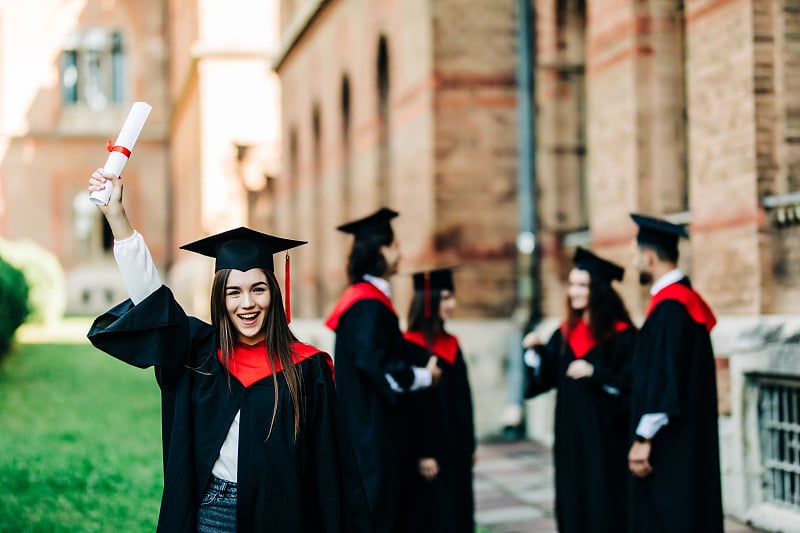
column 427, row 295
column 288, row 289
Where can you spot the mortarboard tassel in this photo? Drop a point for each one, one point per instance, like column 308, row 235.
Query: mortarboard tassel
column 288, row 289
column 427, row 295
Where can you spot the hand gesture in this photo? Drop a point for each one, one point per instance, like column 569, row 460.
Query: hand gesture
column 580, row 369
column 98, row 181
column 114, row 211
column 531, row 339
column 433, row 368
column 428, row 468
column 639, row 459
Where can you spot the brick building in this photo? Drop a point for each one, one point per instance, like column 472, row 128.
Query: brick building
column 684, row 110
column 681, row 110
column 69, row 72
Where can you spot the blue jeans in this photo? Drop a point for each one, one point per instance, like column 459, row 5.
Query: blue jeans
column 217, row 513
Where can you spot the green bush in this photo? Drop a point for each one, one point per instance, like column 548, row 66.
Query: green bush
column 47, row 296
column 13, row 303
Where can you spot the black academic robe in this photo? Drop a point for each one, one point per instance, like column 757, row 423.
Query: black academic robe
column 369, row 344
column 674, row 373
column 590, row 446
column 310, row 485
column 445, row 431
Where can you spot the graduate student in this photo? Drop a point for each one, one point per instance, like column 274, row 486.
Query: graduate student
column 376, row 370
column 445, row 440
column 674, row 456
column 252, row 435
column 588, row 360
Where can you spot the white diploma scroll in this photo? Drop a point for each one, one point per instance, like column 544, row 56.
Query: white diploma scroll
column 121, row 150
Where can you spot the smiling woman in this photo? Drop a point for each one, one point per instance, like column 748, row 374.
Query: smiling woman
column 235, row 458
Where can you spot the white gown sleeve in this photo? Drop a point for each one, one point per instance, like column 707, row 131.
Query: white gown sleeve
column 136, row 265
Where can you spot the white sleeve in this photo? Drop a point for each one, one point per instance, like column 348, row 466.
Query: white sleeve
column 650, row 423
column 422, row 380
column 137, row 268
column 533, row 360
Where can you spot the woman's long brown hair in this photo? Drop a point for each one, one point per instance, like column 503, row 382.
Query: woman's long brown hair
column 431, row 325
column 278, row 340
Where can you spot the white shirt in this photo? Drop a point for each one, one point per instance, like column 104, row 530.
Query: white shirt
column 650, row 423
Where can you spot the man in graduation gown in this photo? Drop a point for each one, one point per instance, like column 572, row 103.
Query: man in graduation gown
column 674, row 456
column 375, row 369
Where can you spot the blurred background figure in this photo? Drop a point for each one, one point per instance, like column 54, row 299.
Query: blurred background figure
column 588, row 360
column 375, row 368
column 445, row 442
column 674, row 455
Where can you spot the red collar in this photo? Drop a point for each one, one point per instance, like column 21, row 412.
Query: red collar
column 697, row 308
column 250, row 364
column 445, row 346
column 580, row 338
column 363, row 290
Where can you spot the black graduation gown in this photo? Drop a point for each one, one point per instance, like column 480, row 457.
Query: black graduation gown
column 369, row 344
column 674, row 373
column 590, row 448
column 446, row 432
column 311, row 485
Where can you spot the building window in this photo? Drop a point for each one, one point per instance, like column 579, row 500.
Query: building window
column 383, row 120
column 93, row 69
column 346, row 141
column 779, row 430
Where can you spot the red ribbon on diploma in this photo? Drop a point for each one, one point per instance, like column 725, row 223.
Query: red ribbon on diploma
column 111, row 147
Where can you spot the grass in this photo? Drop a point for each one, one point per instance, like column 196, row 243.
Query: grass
column 80, row 444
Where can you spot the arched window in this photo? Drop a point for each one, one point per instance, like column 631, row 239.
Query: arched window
column 346, row 147
column 383, row 87
column 118, row 76
column 316, row 205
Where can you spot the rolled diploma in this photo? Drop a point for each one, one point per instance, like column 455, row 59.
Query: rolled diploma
column 127, row 137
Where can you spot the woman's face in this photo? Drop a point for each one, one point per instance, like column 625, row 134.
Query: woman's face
column 447, row 305
column 391, row 254
column 247, row 300
column 578, row 289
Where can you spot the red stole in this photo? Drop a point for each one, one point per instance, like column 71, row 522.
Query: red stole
column 445, row 346
column 580, row 338
column 249, row 364
column 363, row 290
column 697, row 308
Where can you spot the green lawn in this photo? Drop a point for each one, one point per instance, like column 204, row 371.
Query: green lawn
column 80, row 442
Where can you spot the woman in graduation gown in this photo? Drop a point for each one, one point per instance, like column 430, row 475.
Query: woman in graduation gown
column 587, row 359
column 445, row 441
column 376, row 369
column 252, row 437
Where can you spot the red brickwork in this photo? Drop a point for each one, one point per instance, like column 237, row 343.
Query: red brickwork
column 445, row 143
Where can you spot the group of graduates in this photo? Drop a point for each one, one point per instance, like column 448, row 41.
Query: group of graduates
column 264, row 433
column 636, row 444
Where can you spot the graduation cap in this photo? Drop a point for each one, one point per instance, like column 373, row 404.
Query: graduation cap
column 242, row 249
column 440, row 279
column 378, row 224
column 659, row 233
column 597, row 267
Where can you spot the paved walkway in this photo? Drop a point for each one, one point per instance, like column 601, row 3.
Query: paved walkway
column 514, row 489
